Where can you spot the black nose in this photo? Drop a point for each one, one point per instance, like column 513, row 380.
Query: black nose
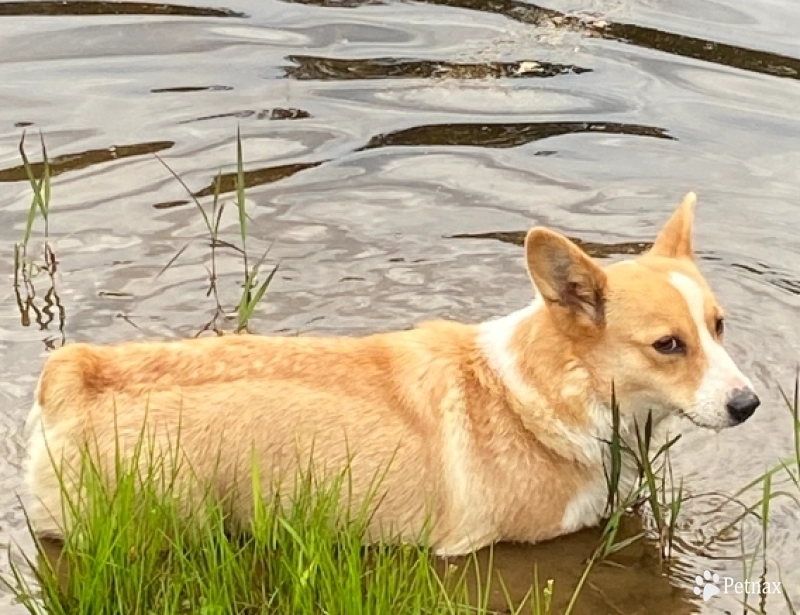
column 742, row 404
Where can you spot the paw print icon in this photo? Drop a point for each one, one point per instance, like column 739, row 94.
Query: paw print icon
column 707, row 585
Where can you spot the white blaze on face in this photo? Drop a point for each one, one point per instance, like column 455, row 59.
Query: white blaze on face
column 722, row 376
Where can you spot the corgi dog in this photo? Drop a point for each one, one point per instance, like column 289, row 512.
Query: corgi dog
column 480, row 433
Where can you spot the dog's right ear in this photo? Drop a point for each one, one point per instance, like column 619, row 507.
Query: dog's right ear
column 675, row 238
column 570, row 282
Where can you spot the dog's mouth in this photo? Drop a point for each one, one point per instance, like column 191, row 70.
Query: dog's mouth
column 702, row 424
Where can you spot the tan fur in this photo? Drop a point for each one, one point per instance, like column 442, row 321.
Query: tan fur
column 495, row 440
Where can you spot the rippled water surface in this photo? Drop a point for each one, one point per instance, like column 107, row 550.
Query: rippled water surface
column 396, row 152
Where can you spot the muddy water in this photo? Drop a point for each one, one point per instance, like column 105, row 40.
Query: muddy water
column 396, row 152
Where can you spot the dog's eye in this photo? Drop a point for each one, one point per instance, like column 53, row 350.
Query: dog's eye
column 670, row 345
column 719, row 327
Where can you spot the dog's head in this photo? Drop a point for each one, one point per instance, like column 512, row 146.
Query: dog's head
column 650, row 325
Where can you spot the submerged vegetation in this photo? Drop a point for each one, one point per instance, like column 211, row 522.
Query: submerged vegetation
column 131, row 552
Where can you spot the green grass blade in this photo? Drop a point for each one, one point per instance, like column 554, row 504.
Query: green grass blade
column 45, row 202
column 189, row 192
column 240, row 194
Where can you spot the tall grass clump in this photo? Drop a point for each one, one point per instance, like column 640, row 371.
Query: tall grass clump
column 132, row 548
column 654, row 484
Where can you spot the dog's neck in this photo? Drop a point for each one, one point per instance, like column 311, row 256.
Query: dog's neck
column 552, row 391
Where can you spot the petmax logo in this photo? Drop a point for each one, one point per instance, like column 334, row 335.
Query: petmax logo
column 709, row 586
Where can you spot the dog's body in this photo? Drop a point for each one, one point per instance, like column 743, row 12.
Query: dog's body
column 479, row 433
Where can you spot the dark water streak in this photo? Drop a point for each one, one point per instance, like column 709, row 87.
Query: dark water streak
column 337, row 69
column 82, row 160
column 77, row 7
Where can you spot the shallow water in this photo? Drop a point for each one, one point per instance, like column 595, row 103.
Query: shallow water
column 396, row 152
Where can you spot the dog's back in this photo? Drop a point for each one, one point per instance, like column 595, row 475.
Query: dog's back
column 233, row 400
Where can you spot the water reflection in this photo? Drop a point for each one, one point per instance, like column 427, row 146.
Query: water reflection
column 631, row 34
column 50, row 310
column 492, row 135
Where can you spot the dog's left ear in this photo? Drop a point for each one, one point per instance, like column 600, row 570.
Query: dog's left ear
column 570, row 282
column 675, row 238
